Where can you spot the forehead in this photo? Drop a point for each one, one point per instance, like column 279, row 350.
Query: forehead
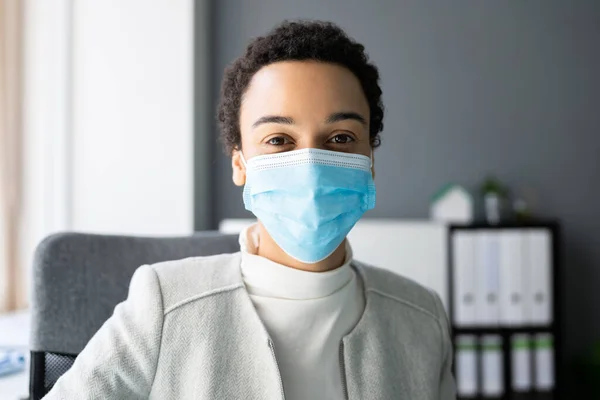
column 302, row 89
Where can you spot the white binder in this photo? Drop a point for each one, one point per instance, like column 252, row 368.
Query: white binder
column 466, row 366
column 512, row 274
column 487, row 265
column 463, row 261
column 492, row 366
column 544, row 362
column 539, row 293
column 521, row 363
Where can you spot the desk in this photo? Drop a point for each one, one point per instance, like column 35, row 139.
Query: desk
column 14, row 333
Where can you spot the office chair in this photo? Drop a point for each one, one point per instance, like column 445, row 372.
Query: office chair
column 78, row 281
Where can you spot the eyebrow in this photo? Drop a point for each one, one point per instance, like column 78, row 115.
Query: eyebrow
column 343, row 116
column 273, row 119
column 333, row 118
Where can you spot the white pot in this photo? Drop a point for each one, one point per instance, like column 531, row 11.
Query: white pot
column 492, row 208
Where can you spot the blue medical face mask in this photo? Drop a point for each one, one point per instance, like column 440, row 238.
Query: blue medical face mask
column 308, row 200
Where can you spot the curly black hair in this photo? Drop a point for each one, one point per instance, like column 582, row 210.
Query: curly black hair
column 297, row 40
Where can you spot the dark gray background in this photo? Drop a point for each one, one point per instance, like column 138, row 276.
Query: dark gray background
column 506, row 87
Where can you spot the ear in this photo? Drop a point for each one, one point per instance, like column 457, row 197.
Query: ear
column 373, row 163
column 239, row 170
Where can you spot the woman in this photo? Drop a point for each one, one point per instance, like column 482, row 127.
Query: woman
column 291, row 315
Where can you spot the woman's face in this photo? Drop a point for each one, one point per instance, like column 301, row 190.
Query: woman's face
column 294, row 105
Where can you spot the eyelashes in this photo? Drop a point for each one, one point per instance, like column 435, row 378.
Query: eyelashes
column 338, row 139
column 278, row 141
column 342, row 138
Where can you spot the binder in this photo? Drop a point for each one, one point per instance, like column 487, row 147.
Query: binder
column 539, row 297
column 521, row 380
column 544, row 362
column 512, row 274
column 492, row 366
column 463, row 254
column 466, row 366
column 487, row 278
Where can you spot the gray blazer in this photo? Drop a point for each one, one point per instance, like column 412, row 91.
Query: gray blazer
column 188, row 330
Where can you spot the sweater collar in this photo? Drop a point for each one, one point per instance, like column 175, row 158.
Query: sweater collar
column 263, row 277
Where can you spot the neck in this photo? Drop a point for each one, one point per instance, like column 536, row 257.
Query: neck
column 269, row 249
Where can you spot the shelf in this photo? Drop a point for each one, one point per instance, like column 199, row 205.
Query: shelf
column 552, row 224
column 517, row 396
column 506, row 332
column 502, row 330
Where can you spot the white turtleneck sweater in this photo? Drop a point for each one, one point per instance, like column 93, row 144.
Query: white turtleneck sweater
column 306, row 315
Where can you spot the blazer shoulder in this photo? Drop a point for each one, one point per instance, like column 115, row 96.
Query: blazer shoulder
column 401, row 289
column 183, row 281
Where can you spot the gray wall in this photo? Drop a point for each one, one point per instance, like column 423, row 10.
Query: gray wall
column 507, row 87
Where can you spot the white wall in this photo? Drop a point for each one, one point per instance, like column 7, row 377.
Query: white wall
column 45, row 187
column 108, row 118
column 132, row 108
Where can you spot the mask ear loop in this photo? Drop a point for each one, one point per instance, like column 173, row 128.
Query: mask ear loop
column 246, row 165
column 371, row 158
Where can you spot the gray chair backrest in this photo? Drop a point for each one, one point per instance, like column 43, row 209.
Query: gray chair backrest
column 78, row 281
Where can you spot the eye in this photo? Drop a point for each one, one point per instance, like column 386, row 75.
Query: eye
column 341, row 138
column 278, row 141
